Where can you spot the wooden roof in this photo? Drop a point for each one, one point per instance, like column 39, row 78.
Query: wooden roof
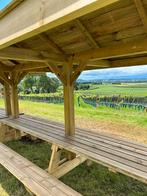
column 110, row 33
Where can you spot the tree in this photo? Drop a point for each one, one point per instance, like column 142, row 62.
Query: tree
column 39, row 84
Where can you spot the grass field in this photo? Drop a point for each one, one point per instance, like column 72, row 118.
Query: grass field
column 95, row 180
column 127, row 89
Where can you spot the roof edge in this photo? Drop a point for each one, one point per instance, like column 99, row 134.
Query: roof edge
column 10, row 7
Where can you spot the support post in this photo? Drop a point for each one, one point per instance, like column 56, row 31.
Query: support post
column 69, row 102
column 14, row 101
column 68, row 76
column 7, row 99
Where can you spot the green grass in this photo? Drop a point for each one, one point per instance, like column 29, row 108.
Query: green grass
column 56, row 112
column 114, row 89
column 90, row 181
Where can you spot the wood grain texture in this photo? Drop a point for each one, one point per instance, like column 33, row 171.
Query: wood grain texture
column 127, row 157
column 34, row 178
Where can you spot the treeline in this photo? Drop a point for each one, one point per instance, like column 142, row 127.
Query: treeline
column 80, row 86
column 38, row 84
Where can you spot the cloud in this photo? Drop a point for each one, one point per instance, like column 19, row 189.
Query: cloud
column 135, row 72
column 113, row 73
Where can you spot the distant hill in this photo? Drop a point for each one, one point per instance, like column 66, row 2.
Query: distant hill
column 138, row 73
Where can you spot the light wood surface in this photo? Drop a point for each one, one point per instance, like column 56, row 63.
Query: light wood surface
column 34, row 178
column 127, row 157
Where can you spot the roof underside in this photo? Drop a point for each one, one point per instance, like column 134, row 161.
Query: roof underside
column 112, row 36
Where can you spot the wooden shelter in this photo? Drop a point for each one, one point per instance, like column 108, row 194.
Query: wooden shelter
column 66, row 38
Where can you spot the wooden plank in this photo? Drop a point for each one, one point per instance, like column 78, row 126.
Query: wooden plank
column 80, row 141
column 21, row 54
column 120, row 50
column 109, row 137
column 43, row 17
column 119, row 152
column 97, row 145
column 34, row 178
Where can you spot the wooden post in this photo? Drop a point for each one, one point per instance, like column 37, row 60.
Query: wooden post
column 7, row 99
column 14, row 101
column 69, row 103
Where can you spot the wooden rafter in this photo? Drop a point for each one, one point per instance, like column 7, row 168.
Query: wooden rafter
column 52, row 45
column 120, row 50
column 88, row 36
column 142, row 13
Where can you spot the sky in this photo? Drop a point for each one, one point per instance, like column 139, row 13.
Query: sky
column 3, row 3
column 135, row 72
column 104, row 73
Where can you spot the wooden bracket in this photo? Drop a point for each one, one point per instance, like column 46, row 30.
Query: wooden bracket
column 77, row 71
column 63, row 161
column 57, row 72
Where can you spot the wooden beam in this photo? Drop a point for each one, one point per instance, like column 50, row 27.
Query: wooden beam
column 77, row 72
column 129, row 62
column 57, row 71
column 5, row 68
column 43, row 16
column 142, row 13
column 21, row 54
column 29, row 66
column 52, row 45
column 14, row 53
column 120, row 50
column 14, row 94
column 7, row 99
column 5, row 77
column 86, row 33
column 69, row 116
column 14, row 101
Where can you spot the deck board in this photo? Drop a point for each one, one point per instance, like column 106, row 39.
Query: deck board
column 127, row 157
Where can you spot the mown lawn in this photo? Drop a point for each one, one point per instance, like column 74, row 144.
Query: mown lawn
column 95, row 180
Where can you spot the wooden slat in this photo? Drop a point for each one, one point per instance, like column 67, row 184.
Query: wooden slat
column 124, row 156
column 34, row 178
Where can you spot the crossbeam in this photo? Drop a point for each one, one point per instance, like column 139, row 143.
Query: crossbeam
column 21, row 54
column 120, row 50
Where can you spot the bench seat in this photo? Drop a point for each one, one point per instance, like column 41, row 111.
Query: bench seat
column 34, row 178
column 119, row 155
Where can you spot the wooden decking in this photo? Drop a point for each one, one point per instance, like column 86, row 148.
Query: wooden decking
column 117, row 154
column 34, row 178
